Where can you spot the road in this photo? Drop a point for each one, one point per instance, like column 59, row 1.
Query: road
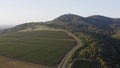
column 65, row 60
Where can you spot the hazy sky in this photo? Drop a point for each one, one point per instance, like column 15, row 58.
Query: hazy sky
column 21, row 11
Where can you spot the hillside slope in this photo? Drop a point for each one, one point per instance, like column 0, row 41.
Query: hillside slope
column 100, row 33
column 102, row 36
column 95, row 23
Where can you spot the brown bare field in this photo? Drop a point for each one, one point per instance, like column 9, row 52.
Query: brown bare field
column 12, row 63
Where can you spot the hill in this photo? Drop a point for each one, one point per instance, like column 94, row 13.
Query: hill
column 100, row 36
column 95, row 23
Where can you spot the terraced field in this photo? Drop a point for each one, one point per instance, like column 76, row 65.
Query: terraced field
column 42, row 46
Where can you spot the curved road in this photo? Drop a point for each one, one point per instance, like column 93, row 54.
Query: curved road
column 65, row 60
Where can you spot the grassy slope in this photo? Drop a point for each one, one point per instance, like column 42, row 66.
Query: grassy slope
column 44, row 47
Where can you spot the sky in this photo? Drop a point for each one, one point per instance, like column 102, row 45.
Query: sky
column 14, row 12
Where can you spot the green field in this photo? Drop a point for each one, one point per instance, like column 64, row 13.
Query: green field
column 42, row 47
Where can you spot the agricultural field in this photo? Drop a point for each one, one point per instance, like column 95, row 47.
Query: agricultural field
column 44, row 47
column 6, row 62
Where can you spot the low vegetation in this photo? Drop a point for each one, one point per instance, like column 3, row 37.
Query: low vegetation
column 84, row 63
column 101, row 48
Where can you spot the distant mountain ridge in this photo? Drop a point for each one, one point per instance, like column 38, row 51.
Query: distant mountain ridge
column 5, row 26
column 95, row 23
